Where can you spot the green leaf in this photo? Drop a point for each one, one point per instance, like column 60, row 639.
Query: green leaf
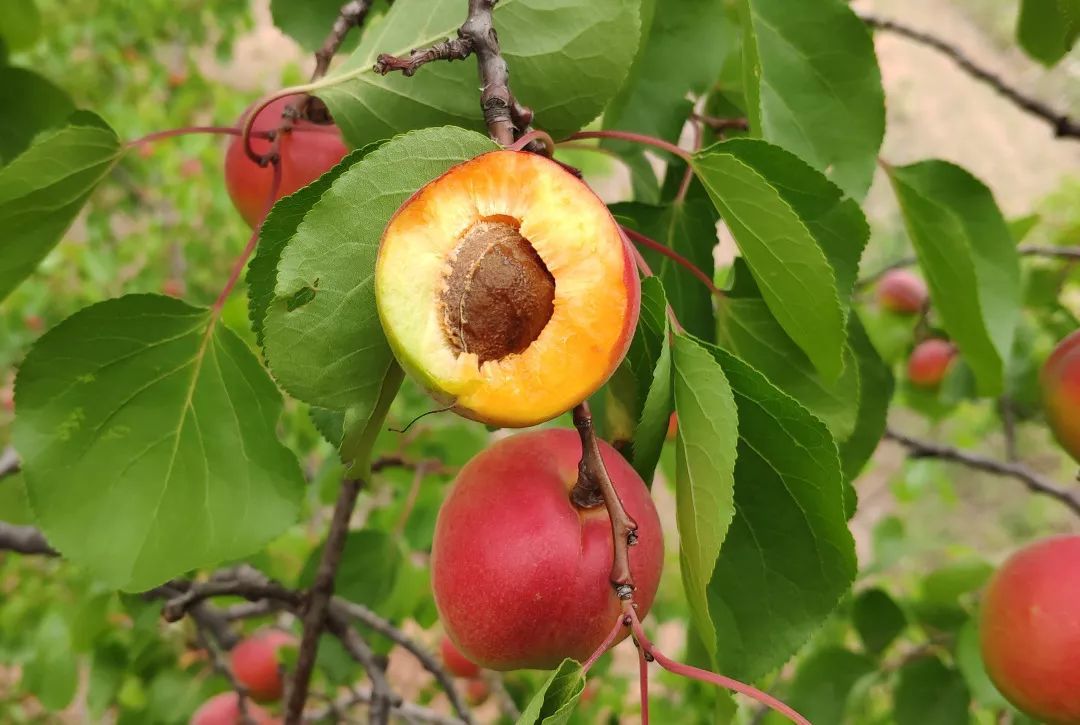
column 329, row 423
column 148, row 441
column 746, row 327
column 946, row 585
column 688, row 228
column 42, row 190
column 1048, row 29
column 329, row 350
column 52, row 673
column 813, row 86
column 969, row 259
column 794, row 274
column 876, row 386
column 788, row 556
column 704, row 472
column 566, row 74
column 14, row 506
column 878, row 620
column 308, row 21
column 823, row 682
column 42, row 105
column 969, row 661
column 679, row 56
column 369, row 567
column 277, row 229
column 20, row 24
column 363, row 423
column 929, row 693
column 554, row 702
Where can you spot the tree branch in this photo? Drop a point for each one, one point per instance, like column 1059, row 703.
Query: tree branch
column 504, row 116
column 350, row 16
column 1025, row 250
column 407, row 711
column 24, row 540
column 1034, row 482
column 318, row 599
column 383, row 699
column 1064, row 126
column 594, row 487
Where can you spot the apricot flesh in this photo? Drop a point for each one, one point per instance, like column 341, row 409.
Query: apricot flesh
column 902, row 292
column 929, row 362
column 521, row 576
column 1030, row 630
column 506, row 289
column 307, row 152
column 1061, row 393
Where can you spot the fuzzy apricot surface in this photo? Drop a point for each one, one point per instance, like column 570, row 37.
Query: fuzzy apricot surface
column 1061, row 393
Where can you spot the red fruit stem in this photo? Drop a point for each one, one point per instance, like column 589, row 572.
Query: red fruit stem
column 172, row 132
column 594, row 487
column 688, row 174
column 643, row 684
column 246, row 130
column 696, row 673
column 253, row 241
column 635, row 138
column 534, row 135
column 675, row 257
column 620, row 622
column 644, row 268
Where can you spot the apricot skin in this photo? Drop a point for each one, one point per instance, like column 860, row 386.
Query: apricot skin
column 1030, row 630
column 929, row 362
column 1061, row 393
column 224, row 709
column 306, row 154
column 456, row 663
column 255, row 663
column 902, row 292
column 520, row 575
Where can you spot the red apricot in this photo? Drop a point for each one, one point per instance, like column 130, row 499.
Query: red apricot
column 224, row 709
column 456, row 663
column 476, row 691
column 902, row 291
column 521, row 576
column 1061, row 393
column 1030, row 630
column 307, row 152
column 929, row 362
column 255, row 663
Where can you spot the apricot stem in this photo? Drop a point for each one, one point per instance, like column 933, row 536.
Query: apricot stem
column 186, row 130
column 534, row 135
column 645, row 270
column 620, row 622
column 594, row 487
column 675, row 257
column 643, row 682
column 696, row 673
column 636, row 138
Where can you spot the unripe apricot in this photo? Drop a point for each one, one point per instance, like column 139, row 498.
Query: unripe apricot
column 224, row 709
column 506, row 289
column 902, row 291
column 255, row 663
column 307, row 152
column 1061, row 393
column 929, row 362
column 521, row 576
column 1030, row 630
column 456, row 663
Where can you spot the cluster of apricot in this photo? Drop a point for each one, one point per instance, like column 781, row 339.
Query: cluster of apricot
column 904, row 293
column 255, row 664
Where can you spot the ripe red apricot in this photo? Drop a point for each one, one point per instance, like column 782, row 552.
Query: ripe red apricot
column 520, row 574
column 929, row 362
column 1061, row 393
column 307, row 152
column 902, row 291
column 476, row 691
column 255, row 663
column 224, row 709
column 1030, row 630
column 456, row 663
column 506, row 289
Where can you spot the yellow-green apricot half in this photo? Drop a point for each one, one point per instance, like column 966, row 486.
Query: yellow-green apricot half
column 506, row 288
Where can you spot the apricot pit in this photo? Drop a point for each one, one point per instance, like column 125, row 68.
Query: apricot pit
column 506, row 288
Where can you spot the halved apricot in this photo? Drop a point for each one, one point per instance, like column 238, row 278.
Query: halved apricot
column 506, row 289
